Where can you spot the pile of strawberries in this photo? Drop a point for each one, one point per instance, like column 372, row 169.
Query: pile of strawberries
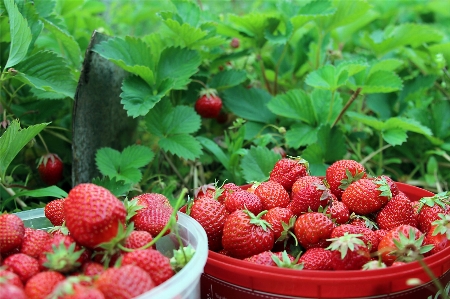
column 346, row 220
column 99, row 247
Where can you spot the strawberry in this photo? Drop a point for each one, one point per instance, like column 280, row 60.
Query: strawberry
column 392, row 185
column 10, row 277
column 438, row 235
column 368, row 236
column 280, row 219
column 309, row 196
column 152, row 219
column 305, row 181
column 208, row 105
column 34, row 241
column 73, row 288
column 274, row 259
column 92, row 268
column 61, row 253
column 150, row 200
column 227, row 189
column 243, row 199
column 245, row 234
column 287, row 170
column 12, row 231
column 234, row 43
column 152, row 261
column 137, row 239
column 23, row 265
column 349, row 252
column 404, row 243
column 41, row 285
column 316, row 259
column 366, row 196
column 10, row 291
column 50, row 168
column 93, row 214
column 313, row 229
column 429, row 208
column 338, row 211
column 396, row 212
column 53, row 210
column 125, row 282
column 211, row 215
column 272, row 194
column 342, row 173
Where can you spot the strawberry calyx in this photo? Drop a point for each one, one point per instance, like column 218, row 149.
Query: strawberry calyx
column 131, row 206
column 181, row 257
column 301, row 161
column 208, row 92
column 369, row 223
column 256, row 219
column 66, row 287
column 346, row 242
column 374, row 264
column 350, row 178
column 62, row 229
column 442, row 225
column 383, row 187
column 286, row 262
column 63, row 259
column 441, row 199
column 44, row 159
column 287, row 233
column 409, row 248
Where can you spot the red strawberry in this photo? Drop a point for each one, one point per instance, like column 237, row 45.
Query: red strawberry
column 41, row 285
column 403, row 242
column 309, row 197
column 245, row 234
column 54, row 212
column 137, row 239
column 92, row 268
column 313, row 229
column 152, row 219
column 93, row 214
column 152, row 261
column 78, row 291
column 34, row 242
column 10, row 291
column 396, row 212
column 10, row 277
column 280, row 219
column 274, row 259
column 287, row 170
column 338, row 211
column 272, row 194
column 392, row 185
column 366, row 196
column 12, row 231
column 438, row 235
column 342, row 173
column 349, row 252
column 23, row 265
column 50, row 168
column 211, row 215
column 429, row 209
column 305, row 181
column 208, row 105
column 316, row 259
column 227, row 189
column 125, row 282
column 368, row 236
column 150, row 200
column 61, row 253
column 241, row 200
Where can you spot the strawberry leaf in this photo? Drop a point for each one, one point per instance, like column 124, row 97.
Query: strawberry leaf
column 117, row 187
column 295, row 104
column 327, row 77
column 300, row 135
column 257, row 163
column 227, row 79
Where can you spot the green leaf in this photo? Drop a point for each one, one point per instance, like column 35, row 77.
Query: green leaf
column 347, row 12
column 366, row 119
column 131, row 54
column 299, row 135
column 252, row 25
column 386, row 65
column 214, row 148
column 51, row 191
column 178, row 65
column 257, row 163
column 394, row 136
column 20, row 34
column 314, row 10
column 123, row 166
column 295, row 104
column 408, row 125
column 250, row 104
column 182, row 145
column 314, row 155
column 116, row 187
column 66, row 41
column 47, row 72
column 278, row 32
column 13, row 140
column 138, row 97
column 327, row 77
column 227, row 79
column 376, row 82
column 322, row 102
column 188, row 11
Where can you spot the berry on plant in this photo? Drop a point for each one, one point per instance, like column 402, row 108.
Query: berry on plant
column 209, row 104
column 50, row 168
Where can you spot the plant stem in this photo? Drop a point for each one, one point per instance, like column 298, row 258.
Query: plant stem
column 380, row 160
column 17, row 199
column 370, row 156
column 433, row 278
column 330, row 110
column 263, row 73
column 347, row 105
column 277, row 67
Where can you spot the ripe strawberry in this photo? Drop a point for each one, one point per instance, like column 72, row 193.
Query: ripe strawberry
column 92, row 268
column 338, row 211
column 125, row 282
column 54, row 212
column 349, row 252
column 137, row 239
column 429, row 209
column 41, row 285
column 272, row 194
column 313, row 229
column 245, row 234
column 23, row 265
column 342, row 173
column 287, row 170
column 280, row 219
column 226, row 190
column 211, row 215
column 93, row 214
column 12, row 231
column 50, row 168
column 241, row 200
column 208, row 105
column 61, row 253
column 309, row 196
column 10, row 277
column 150, row 200
column 152, row 219
column 404, row 243
column 34, row 241
column 438, row 235
column 368, row 236
column 316, row 259
column 78, row 291
column 392, row 185
column 366, row 196
column 274, row 259
column 10, row 291
column 152, row 261
column 396, row 212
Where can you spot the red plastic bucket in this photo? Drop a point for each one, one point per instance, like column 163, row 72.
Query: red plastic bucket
column 226, row 277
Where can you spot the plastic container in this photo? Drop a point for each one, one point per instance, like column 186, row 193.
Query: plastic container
column 226, row 277
column 186, row 283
